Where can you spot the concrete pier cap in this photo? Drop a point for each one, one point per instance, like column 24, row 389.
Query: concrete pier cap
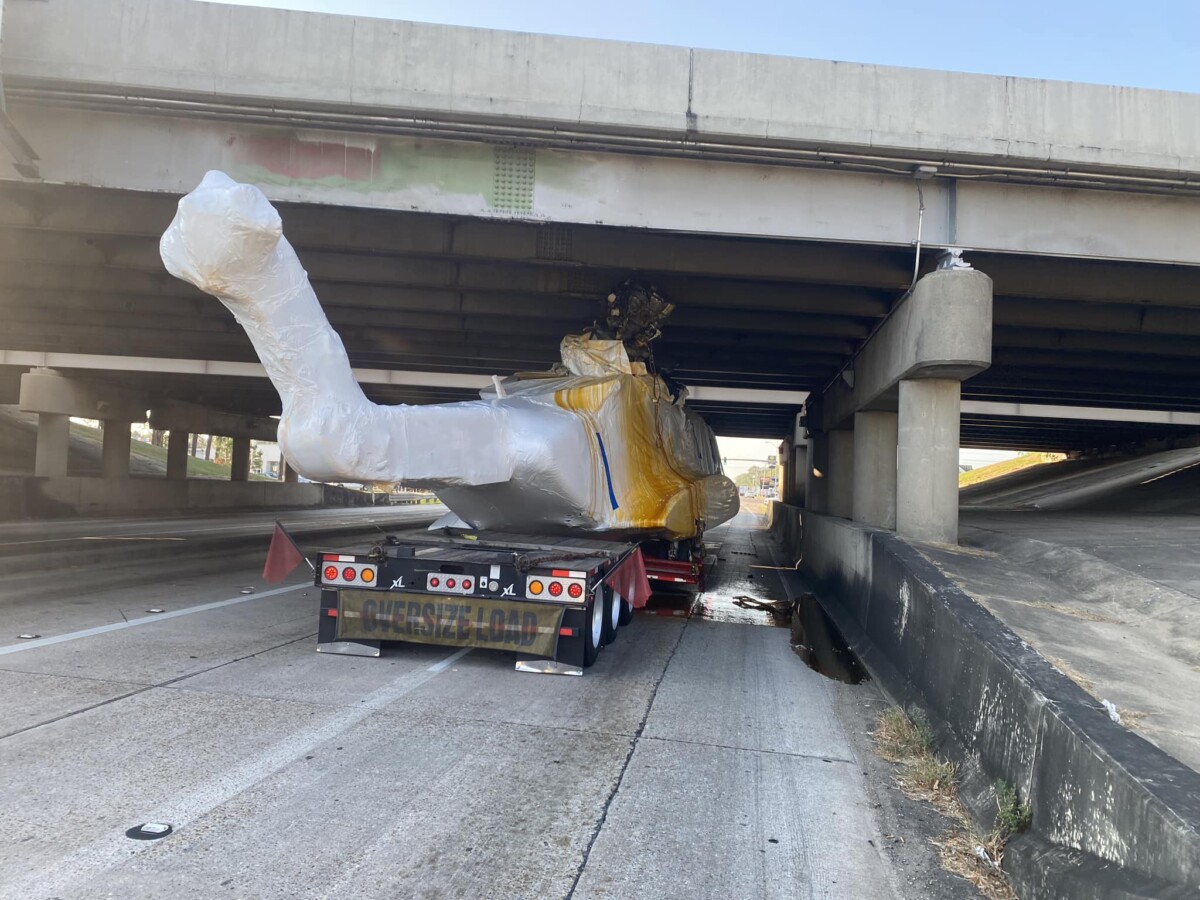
column 940, row 333
column 51, row 392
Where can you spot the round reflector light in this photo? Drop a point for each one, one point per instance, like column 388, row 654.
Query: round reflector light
column 435, row 581
column 331, row 573
column 450, row 582
column 575, row 590
column 466, row 584
column 536, row 587
column 349, row 574
column 368, row 576
column 555, row 588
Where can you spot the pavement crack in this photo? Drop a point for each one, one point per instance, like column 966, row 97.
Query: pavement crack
column 637, row 736
column 790, row 753
column 149, row 687
column 72, row 677
column 76, row 712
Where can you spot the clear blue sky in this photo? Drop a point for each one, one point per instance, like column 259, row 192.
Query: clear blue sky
column 1154, row 43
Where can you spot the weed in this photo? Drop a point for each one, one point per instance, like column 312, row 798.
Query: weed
column 899, row 738
column 920, row 723
column 1012, row 816
column 929, row 778
column 908, row 741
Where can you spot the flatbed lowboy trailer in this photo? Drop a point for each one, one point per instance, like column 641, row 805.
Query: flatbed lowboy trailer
column 554, row 601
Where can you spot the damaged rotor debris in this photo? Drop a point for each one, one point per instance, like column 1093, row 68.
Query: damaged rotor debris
column 633, row 315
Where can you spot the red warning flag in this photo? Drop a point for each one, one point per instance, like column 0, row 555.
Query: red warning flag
column 282, row 557
column 630, row 581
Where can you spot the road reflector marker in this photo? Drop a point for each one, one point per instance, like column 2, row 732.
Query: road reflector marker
column 149, row 831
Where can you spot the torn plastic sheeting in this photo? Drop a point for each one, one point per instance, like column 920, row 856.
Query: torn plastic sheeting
column 599, row 450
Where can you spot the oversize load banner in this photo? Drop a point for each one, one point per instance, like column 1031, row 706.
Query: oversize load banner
column 454, row 621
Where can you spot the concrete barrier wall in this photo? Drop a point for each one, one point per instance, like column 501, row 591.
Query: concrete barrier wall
column 1113, row 816
column 26, row 497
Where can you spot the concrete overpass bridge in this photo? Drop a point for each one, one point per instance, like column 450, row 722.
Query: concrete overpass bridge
column 463, row 198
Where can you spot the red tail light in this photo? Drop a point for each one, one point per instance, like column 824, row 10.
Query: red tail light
column 555, row 588
column 450, row 583
column 466, row 584
column 435, row 582
column 575, row 591
column 331, row 573
column 348, row 573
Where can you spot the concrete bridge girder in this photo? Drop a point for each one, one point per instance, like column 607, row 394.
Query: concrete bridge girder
column 594, row 88
column 667, row 194
column 174, row 415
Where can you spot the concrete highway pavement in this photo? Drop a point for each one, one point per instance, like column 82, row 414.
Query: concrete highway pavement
column 30, row 536
column 124, row 566
column 694, row 759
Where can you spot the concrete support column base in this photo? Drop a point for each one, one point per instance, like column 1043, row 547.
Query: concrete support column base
column 927, row 461
column 53, row 444
column 875, row 436
column 240, row 464
column 841, row 473
column 290, row 475
column 114, row 457
column 177, row 454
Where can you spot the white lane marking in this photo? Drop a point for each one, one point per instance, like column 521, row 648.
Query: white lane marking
column 88, row 862
column 145, row 620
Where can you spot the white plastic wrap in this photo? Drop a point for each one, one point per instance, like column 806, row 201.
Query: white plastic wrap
column 602, row 450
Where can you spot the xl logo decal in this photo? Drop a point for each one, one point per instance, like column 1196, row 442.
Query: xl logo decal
column 398, row 583
column 510, row 591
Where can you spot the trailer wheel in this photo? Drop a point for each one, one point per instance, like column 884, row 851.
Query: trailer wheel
column 593, row 636
column 612, row 614
column 626, row 614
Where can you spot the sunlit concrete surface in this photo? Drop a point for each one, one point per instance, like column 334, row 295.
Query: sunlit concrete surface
column 1094, row 563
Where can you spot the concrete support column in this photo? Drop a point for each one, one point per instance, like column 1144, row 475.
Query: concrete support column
column 240, row 464
column 875, row 435
column 785, row 472
column 290, row 475
column 53, row 443
column 927, row 461
column 114, row 457
column 799, row 484
column 841, row 473
column 177, row 454
column 816, row 487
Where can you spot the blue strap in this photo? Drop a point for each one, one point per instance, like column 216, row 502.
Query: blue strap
column 607, row 473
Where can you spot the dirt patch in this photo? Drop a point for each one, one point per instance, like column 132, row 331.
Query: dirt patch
column 908, row 827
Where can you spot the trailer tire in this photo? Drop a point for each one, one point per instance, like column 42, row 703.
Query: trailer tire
column 626, row 615
column 593, row 631
column 612, row 612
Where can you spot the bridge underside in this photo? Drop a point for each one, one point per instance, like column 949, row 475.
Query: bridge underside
column 80, row 274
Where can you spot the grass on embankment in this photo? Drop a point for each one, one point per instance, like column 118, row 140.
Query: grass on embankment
column 1007, row 467
column 157, row 456
column 922, row 775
